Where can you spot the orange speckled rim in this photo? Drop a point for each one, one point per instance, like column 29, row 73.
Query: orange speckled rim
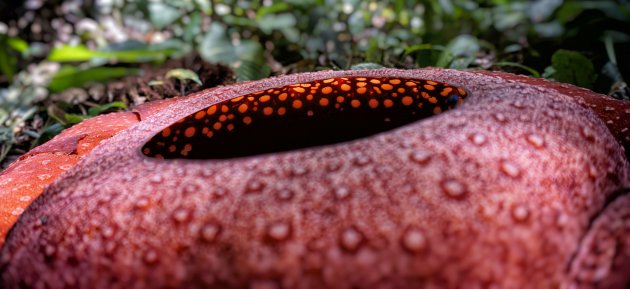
column 378, row 102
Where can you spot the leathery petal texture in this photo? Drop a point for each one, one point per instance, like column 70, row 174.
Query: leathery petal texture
column 522, row 186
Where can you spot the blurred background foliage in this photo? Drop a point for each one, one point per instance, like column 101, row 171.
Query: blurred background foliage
column 62, row 61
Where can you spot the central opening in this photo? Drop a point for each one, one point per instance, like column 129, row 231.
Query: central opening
column 302, row 115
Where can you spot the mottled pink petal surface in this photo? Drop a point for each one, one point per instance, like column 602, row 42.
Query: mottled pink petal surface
column 520, row 187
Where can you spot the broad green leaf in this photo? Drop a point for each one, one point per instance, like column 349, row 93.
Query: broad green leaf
column 8, row 56
column 247, row 70
column 73, row 53
column 215, row 46
column 274, row 8
column 67, row 53
column 459, row 53
column 284, row 23
column 573, row 67
column 17, row 44
column 162, row 14
column 184, row 75
column 193, row 28
column 7, row 62
column 69, row 76
column 246, row 58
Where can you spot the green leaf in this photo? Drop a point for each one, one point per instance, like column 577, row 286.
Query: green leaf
column 184, row 75
column 69, row 76
column 246, row 58
column 71, row 118
column 193, row 28
column 366, row 66
column 94, row 111
column 215, row 46
column 247, row 70
column 274, row 8
column 8, row 61
column 162, row 15
column 73, row 53
column 17, row 44
column 573, row 67
column 67, row 53
column 459, row 53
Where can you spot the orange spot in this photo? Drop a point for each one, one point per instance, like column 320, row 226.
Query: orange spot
column 187, row 148
column 230, row 127
column 323, row 101
column 282, row 97
column 345, row 87
column 282, row 110
column 437, row 110
column 166, row 132
column 375, row 81
column 431, row 82
column 355, row 103
column 230, row 116
column 299, row 89
column 378, row 90
column 361, row 84
column 222, row 118
column 217, row 126
column 265, row 98
column 407, row 100
column 268, row 110
column 305, row 85
column 225, row 108
column 210, row 134
column 297, row 104
column 373, row 103
column 211, row 110
column 205, row 130
column 190, row 132
column 309, row 97
column 433, row 100
column 361, row 79
column 388, row 103
column 410, row 83
column 446, row 91
column 387, row 86
column 425, row 95
column 172, row 148
column 429, row 87
column 461, row 91
column 401, row 90
column 247, row 120
column 237, row 99
column 251, row 98
column 146, row 151
column 327, row 90
column 242, row 108
column 394, row 81
column 329, row 80
column 200, row 114
column 340, row 98
column 361, row 90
